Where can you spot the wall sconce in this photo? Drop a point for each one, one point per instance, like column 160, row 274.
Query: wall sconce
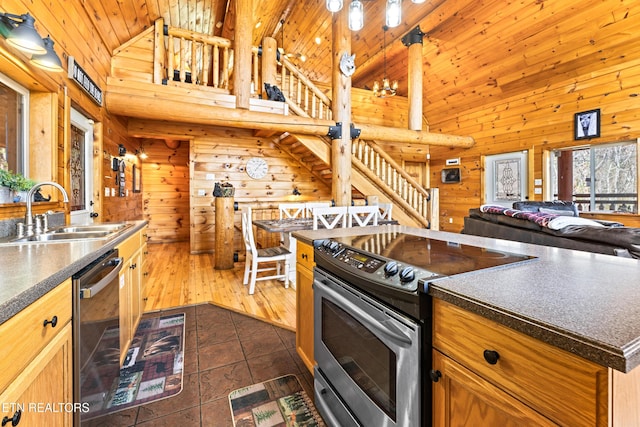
column 122, row 151
column 334, row 5
column 20, row 33
column 356, row 15
column 140, row 153
column 296, row 192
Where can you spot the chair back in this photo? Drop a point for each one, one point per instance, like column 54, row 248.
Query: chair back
column 363, row 215
column 292, row 210
column 310, row 206
column 247, row 230
column 384, row 210
column 330, row 217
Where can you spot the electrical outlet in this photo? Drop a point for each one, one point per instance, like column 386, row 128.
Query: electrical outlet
column 450, row 220
column 201, row 192
column 107, row 192
column 211, row 177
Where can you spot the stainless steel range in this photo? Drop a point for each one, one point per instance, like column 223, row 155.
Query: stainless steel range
column 372, row 323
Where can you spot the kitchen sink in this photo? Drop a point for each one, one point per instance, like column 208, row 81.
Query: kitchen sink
column 75, row 233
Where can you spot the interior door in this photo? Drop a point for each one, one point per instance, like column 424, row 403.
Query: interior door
column 505, row 178
column 81, row 168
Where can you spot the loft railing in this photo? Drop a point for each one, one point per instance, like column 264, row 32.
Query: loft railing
column 302, row 96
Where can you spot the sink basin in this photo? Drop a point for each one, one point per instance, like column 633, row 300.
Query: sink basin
column 80, row 235
column 109, row 228
column 76, row 233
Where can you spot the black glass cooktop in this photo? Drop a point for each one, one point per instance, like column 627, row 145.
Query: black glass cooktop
column 438, row 256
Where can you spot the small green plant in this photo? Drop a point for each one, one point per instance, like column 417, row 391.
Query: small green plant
column 15, row 181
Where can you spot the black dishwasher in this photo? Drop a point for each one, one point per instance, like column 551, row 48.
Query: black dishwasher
column 96, row 337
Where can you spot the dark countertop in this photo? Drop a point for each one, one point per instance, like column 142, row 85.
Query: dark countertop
column 582, row 302
column 30, row 270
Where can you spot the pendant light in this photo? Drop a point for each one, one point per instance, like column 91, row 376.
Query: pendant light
column 50, row 60
column 386, row 89
column 356, row 15
column 334, row 5
column 394, row 13
column 20, row 32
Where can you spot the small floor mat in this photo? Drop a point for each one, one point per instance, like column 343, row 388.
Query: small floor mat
column 152, row 369
column 278, row 402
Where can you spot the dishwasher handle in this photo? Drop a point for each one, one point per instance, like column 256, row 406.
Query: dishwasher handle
column 93, row 289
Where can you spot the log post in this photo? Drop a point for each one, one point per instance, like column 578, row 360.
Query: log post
column 269, row 53
column 413, row 40
column 242, row 53
column 223, row 250
column 341, row 106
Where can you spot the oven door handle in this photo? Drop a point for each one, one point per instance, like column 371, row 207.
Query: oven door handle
column 367, row 316
column 92, row 290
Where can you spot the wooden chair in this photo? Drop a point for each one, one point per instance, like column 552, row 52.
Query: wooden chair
column 384, row 211
column 330, row 217
column 254, row 256
column 310, row 206
column 292, row 210
column 363, row 215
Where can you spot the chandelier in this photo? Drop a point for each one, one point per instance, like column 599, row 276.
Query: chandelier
column 386, row 89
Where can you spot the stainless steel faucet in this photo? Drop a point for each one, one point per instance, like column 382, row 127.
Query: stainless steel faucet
column 28, row 217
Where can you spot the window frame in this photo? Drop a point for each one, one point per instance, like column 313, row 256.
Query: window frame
column 23, row 144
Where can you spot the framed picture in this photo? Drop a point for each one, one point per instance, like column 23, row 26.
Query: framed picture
column 587, row 124
column 136, row 179
column 450, row 175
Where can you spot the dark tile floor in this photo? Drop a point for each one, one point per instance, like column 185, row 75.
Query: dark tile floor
column 223, row 352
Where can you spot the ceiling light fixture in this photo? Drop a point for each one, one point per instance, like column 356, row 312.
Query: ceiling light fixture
column 386, row 89
column 20, row 32
column 394, row 13
column 356, row 15
column 334, row 5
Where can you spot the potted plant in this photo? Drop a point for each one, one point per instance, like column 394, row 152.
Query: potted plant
column 13, row 186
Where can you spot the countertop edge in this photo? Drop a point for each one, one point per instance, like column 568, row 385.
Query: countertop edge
column 14, row 305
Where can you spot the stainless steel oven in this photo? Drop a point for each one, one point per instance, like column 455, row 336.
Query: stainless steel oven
column 364, row 347
column 372, row 323
column 96, row 329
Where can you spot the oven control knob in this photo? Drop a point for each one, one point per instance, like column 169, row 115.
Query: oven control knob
column 407, row 274
column 391, row 269
column 334, row 246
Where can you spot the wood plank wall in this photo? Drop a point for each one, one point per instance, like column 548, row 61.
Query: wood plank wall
column 537, row 118
column 224, row 153
column 49, row 124
column 165, row 190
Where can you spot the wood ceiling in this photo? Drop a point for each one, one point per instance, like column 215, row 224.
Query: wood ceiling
column 475, row 51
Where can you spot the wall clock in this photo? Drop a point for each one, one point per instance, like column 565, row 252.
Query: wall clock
column 257, row 167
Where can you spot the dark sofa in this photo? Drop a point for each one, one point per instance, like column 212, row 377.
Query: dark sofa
column 605, row 237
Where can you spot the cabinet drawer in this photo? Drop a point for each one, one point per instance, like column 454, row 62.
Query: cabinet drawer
column 558, row 384
column 127, row 248
column 25, row 335
column 304, row 255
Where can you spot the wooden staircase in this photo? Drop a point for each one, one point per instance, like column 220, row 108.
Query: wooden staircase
column 373, row 171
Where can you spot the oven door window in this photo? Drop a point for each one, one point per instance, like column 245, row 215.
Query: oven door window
column 366, row 359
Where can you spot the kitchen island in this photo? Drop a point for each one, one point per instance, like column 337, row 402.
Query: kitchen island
column 580, row 307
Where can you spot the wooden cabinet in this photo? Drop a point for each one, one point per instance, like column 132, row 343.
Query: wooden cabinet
column 489, row 374
column 132, row 285
column 36, row 373
column 304, row 303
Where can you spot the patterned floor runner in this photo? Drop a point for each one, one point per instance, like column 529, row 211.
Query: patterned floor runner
column 152, row 369
column 278, row 402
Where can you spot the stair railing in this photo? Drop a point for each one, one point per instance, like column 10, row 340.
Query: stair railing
column 302, row 96
column 384, row 171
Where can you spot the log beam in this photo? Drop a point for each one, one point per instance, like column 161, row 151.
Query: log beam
column 147, row 101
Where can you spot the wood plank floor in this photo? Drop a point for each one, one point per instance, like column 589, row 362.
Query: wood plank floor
column 177, row 278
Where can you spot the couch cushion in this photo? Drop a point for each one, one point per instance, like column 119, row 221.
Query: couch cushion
column 555, row 207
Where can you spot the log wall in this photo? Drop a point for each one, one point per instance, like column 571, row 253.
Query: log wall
column 223, row 153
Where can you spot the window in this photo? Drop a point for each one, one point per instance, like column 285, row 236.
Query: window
column 599, row 178
column 14, row 117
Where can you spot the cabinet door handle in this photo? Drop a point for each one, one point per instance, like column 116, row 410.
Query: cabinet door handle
column 53, row 322
column 491, row 356
column 13, row 420
column 304, row 256
column 435, row 375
